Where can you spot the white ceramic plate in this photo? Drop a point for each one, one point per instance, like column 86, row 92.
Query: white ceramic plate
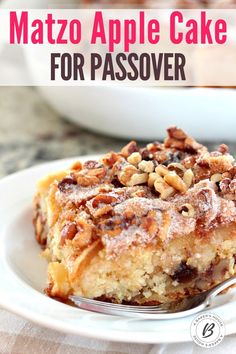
column 23, row 276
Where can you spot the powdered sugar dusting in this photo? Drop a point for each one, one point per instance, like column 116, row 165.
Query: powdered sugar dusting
column 210, row 211
column 141, row 205
column 134, row 235
column 138, row 217
column 78, row 194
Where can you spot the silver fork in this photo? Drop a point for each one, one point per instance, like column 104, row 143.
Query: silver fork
column 186, row 307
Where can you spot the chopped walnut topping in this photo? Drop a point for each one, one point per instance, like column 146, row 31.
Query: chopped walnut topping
column 227, row 175
column 66, row 183
column 110, row 159
column 138, row 178
column 146, row 166
column 175, row 181
column 129, row 149
column 126, row 173
column 177, row 167
column 161, row 170
column 232, row 185
column 103, row 199
column 207, row 200
column 217, row 177
column 97, row 172
column 173, row 157
column 189, row 161
column 188, row 177
column 155, row 146
column 85, row 234
column 154, row 177
column 149, row 223
column 105, row 210
column 176, row 133
column 168, row 169
column 86, row 181
column 187, row 210
column 91, row 164
column 146, row 155
column 223, row 149
column 231, row 172
column 227, row 188
column 164, row 189
column 68, row 232
column 191, row 145
column 134, row 158
column 216, row 163
column 179, row 140
column 224, row 185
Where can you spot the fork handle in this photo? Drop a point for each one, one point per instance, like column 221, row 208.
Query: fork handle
column 222, row 286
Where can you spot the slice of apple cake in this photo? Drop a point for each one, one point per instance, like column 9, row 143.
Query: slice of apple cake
column 142, row 226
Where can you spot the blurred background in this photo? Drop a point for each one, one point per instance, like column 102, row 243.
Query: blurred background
column 46, row 123
column 31, row 132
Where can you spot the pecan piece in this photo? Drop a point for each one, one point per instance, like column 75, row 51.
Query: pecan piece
column 110, row 159
column 97, row 172
column 66, row 184
column 129, row 149
column 103, row 199
column 86, row 181
column 68, row 232
column 176, row 133
column 179, row 140
column 223, row 149
column 92, row 164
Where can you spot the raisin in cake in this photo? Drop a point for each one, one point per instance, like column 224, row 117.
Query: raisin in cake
column 142, row 226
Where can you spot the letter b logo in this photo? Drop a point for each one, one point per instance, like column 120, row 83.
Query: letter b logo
column 208, row 330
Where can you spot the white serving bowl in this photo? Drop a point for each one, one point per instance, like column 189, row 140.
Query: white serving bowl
column 144, row 113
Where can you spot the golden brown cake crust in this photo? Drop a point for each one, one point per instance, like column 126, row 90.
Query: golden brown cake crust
column 165, row 203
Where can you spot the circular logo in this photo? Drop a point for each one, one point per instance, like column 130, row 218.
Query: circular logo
column 207, row 330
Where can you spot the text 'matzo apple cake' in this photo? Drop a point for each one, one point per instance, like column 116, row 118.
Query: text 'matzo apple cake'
column 142, row 226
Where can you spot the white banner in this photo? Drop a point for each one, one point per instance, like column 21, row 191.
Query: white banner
column 119, row 47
